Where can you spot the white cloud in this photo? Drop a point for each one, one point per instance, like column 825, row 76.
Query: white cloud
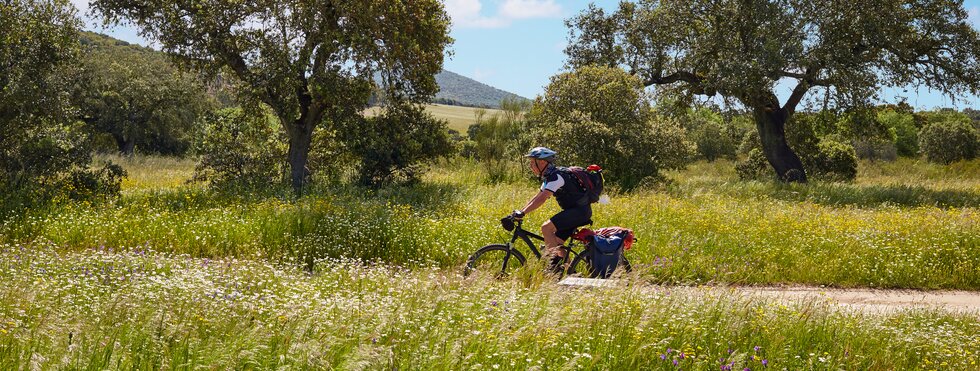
column 519, row 9
column 468, row 13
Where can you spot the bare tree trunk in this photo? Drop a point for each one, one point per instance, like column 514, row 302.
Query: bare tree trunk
column 771, row 124
column 300, row 138
column 126, row 146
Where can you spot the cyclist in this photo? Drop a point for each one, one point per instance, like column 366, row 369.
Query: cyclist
column 571, row 197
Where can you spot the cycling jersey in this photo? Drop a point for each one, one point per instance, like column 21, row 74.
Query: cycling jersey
column 566, row 190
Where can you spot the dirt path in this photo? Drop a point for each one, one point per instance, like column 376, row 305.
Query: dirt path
column 865, row 300
column 870, row 300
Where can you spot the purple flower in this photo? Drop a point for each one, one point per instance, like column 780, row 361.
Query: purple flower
column 493, row 303
column 757, row 348
column 669, row 350
column 765, row 362
column 747, row 369
column 374, row 340
column 682, row 355
column 675, row 362
column 663, row 356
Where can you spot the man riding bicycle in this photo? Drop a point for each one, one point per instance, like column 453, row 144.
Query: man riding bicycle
column 571, row 197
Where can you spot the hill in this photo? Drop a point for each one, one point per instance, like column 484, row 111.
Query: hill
column 459, row 90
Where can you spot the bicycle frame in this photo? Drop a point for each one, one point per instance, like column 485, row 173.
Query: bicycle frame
column 526, row 236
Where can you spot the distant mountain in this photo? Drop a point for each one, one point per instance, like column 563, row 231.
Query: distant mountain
column 456, row 89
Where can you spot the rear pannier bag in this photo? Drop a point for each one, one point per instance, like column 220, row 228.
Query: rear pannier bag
column 606, row 250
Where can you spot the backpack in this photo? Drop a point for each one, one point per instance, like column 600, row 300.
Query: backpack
column 606, row 250
column 589, row 180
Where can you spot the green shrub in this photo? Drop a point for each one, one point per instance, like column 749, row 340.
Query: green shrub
column 392, row 146
column 496, row 140
column 834, row 160
column 710, row 137
column 802, row 137
column 53, row 162
column 241, row 150
column 329, row 156
column 95, row 185
column 750, row 140
column 601, row 115
column 754, row 167
column 949, row 141
column 903, row 130
column 875, row 149
column 467, row 149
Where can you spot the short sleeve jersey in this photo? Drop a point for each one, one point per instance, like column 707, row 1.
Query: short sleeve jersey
column 553, row 181
column 568, row 196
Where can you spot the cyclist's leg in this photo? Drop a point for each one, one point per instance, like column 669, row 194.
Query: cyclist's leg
column 551, row 241
column 561, row 226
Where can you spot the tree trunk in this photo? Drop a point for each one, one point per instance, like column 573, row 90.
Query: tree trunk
column 771, row 124
column 300, row 138
column 126, row 146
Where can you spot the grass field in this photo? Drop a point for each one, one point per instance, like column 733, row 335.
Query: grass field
column 704, row 227
column 111, row 309
column 175, row 276
column 458, row 117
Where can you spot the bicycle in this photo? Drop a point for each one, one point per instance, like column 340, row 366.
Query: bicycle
column 507, row 258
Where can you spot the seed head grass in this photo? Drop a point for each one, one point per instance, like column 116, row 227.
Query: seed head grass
column 140, row 308
column 703, row 226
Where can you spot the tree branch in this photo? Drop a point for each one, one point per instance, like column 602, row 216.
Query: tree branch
column 672, row 78
column 794, row 99
column 808, row 77
column 693, row 80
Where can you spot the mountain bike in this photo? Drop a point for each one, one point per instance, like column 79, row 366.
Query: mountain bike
column 504, row 259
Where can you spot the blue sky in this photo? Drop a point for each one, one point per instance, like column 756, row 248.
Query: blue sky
column 516, row 45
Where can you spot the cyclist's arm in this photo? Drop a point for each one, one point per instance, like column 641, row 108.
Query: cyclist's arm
column 537, row 201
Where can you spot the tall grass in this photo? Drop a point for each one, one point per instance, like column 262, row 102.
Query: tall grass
column 140, row 309
column 903, row 225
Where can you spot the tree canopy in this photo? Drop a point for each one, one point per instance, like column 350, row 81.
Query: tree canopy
column 310, row 61
column 39, row 39
column 38, row 42
column 44, row 150
column 601, row 115
column 742, row 49
column 135, row 95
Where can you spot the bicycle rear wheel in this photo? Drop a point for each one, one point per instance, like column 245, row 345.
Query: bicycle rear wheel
column 497, row 259
column 582, row 266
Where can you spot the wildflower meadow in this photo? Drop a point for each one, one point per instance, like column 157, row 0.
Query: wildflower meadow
column 174, row 275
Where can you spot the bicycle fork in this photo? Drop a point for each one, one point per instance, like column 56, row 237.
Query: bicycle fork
column 503, row 269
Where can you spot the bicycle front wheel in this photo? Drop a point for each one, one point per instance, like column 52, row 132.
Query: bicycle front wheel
column 497, row 259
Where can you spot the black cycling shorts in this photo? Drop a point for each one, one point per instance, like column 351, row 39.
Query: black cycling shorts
column 568, row 220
